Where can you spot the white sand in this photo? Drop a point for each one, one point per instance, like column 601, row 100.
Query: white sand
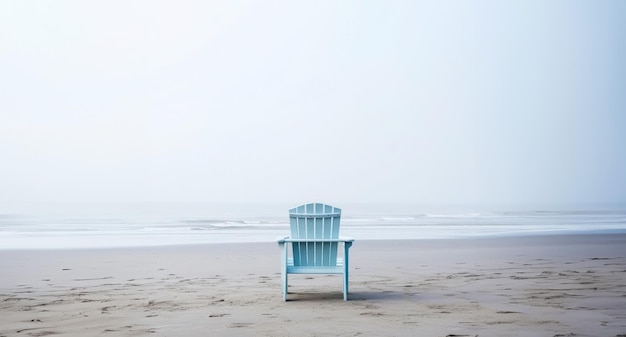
column 530, row 286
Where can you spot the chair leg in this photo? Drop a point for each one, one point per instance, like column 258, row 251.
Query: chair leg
column 346, row 267
column 283, row 269
column 285, row 287
column 345, row 286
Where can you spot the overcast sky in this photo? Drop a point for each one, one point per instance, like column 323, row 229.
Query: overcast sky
column 294, row 101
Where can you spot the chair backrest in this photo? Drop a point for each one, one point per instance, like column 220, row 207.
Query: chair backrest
column 315, row 221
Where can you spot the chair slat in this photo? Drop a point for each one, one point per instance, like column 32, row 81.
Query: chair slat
column 315, row 221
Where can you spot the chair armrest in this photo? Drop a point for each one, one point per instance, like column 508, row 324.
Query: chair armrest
column 282, row 239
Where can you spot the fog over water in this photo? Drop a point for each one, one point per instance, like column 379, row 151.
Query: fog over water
column 100, row 225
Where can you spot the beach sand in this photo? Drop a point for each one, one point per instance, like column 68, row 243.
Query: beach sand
column 521, row 286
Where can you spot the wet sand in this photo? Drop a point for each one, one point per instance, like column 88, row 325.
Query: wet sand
column 520, row 286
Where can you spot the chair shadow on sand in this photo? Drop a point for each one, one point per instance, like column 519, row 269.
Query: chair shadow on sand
column 355, row 296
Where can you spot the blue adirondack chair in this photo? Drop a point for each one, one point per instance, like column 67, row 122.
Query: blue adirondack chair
column 314, row 240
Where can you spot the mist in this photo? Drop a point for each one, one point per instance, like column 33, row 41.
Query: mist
column 411, row 101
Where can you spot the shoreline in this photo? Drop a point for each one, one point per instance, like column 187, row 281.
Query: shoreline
column 515, row 286
column 498, row 237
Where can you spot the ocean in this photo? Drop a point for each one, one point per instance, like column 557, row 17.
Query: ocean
column 102, row 225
